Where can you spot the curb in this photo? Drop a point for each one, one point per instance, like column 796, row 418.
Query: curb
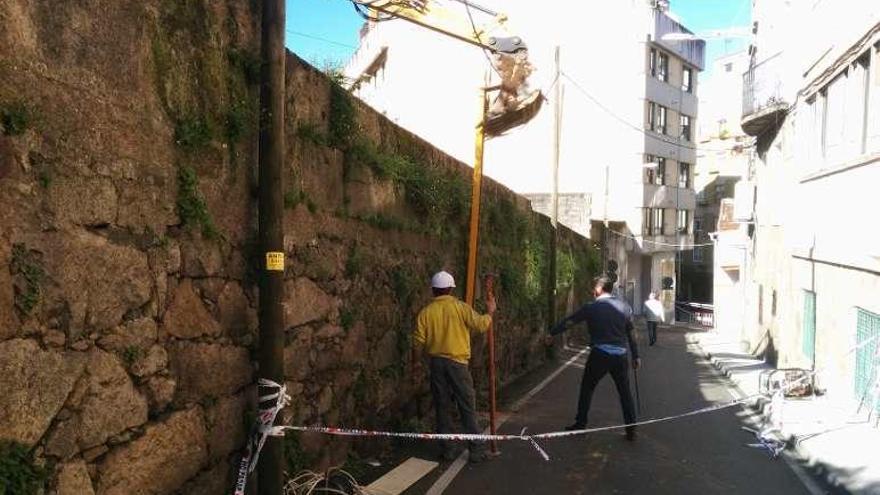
column 760, row 409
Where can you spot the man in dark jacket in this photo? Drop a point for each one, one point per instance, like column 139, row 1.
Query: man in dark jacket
column 610, row 325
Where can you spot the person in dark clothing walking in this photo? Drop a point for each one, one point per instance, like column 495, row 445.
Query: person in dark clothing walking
column 611, row 330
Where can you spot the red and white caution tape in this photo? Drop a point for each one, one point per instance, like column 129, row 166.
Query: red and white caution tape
column 262, row 429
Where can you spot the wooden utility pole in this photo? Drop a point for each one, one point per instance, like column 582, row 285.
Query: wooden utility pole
column 554, row 195
column 271, row 354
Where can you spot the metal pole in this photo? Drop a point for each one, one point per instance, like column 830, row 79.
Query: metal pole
column 476, row 190
column 554, row 195
column 473, row 245
column 490, row 335
column 271, row 160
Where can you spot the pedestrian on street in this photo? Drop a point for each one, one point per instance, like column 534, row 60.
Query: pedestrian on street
column 443, row 331
column 609, row 321
column 654, row 313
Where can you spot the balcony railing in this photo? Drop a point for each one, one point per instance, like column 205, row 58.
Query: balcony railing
column 763, row 89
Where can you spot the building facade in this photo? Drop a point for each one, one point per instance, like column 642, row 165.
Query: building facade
column 812, row 105
column 629, row 114
column 722, row 161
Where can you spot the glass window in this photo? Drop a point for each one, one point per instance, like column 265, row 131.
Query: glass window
column 684, row 175
column 686, row 80
column 728, row 67
column 683, row 223
column 657, row 118
column 698, row 225
column 652, row 62
column 698, row 255
column 658, row 221
column 685, row 123
column 663, row 67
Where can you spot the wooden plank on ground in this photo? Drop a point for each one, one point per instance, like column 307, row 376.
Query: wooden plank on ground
column 402, row 477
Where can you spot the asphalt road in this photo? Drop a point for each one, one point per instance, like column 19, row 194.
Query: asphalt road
column 705, row 454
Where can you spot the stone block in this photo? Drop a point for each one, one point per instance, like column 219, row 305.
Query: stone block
column 187, row 317
column 155, row 360
column 73, row 479
column 111, row 404
column 88, row 201
column 160, row 461
column 225, row 426
column 35, row 384
column 100, row 281
column 306, row 302
column 296, row 355
column 140, row 333
column 209, row 370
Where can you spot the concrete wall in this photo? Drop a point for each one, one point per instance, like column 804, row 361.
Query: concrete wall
column 128, row 254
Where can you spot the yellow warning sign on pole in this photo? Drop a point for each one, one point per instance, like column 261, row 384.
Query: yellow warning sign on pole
column 275, row 261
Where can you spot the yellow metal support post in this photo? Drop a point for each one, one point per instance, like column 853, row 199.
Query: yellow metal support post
column 476, row 190
column 473, row 246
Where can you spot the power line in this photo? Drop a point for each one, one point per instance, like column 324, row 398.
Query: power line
column 659, row 243
column 318, row 38
column 636, row 128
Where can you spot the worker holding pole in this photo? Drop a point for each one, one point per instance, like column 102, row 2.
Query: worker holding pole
column 611, row 330
column 443, row 332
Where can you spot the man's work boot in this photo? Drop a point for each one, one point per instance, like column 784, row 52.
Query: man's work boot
column 631, row 433
column 575, row 426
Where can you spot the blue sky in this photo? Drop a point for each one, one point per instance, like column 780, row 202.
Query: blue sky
column 327, row 30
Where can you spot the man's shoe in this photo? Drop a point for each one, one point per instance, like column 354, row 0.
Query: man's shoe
column 631, row 434
column 575, row 426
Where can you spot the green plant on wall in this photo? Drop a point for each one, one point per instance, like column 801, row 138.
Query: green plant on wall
column 19, row 475
column 191, row 206
column 15, row 118
column 25, row 266
column 342, row 123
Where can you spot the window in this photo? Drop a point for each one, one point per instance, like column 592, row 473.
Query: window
column 808, row 337
column 657, row 117
column 652, row 62
column 760, row 304
column 728, row 67
column 663, row 67
column 698, row 225
column 698, row 255
column 863, row 93
column 684, row 175
column 653, row 221
column 683, row 224
column 656, row 175
column 687, row 83
column 685, row 123
column 773, row 304
column 867, row 328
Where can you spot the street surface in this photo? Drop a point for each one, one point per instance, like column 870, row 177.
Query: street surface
column 700, row 454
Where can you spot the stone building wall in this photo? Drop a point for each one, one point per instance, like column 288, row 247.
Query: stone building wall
column 128, row 246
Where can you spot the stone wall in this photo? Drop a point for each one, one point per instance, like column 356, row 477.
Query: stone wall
column 127, row 248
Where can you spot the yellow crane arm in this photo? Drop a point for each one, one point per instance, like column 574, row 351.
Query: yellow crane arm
column 436, row 16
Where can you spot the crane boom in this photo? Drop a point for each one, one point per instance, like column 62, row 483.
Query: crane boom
column 515, row 104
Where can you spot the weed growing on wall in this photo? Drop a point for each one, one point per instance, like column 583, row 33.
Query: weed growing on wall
column 15, row 118
column 191, row 206
column 18, row 473
column 193, row 132
column 342, row 124
column 28, row 273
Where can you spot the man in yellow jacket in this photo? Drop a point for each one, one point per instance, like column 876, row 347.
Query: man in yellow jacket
column 443, row 331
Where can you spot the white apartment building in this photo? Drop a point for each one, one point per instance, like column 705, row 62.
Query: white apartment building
column 812, row 103
column 722, row 161
column 629, row 98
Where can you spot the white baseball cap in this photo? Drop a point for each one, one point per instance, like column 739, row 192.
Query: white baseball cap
column 442, row 280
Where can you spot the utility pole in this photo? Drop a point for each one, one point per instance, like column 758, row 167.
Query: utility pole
column 271, row 311
column 554, row 196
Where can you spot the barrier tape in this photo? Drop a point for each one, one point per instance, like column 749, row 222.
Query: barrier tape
column 266, row 418
column 478, row 437
column 262, row 429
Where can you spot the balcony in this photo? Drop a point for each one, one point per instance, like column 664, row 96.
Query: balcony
column 763, row 97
